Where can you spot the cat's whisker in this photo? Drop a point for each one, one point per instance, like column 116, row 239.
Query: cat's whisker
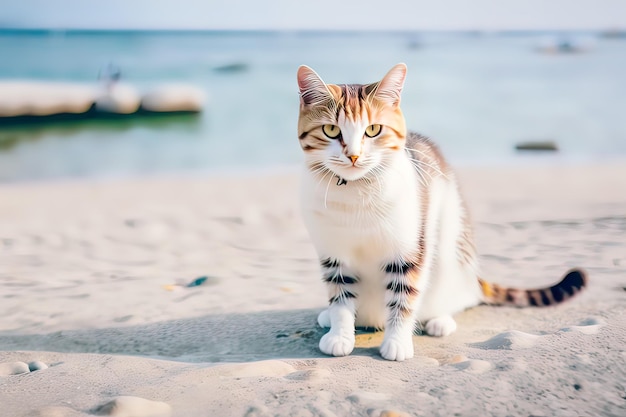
column 422, row 162
column 420, row 175
column 418, row 164
column 430, row 165
column 320, row 172
column 328, row 172
column 326, row 193
column 378, row 171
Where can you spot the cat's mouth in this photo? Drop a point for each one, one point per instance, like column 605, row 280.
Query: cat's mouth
column 350, row 173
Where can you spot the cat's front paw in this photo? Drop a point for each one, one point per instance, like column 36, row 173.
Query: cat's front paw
column 440, row 326
column 397, row 349
column 337, row 343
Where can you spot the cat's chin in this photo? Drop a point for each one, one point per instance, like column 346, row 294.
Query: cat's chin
column 351, row 173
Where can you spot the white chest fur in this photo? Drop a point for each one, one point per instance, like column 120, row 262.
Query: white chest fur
column 364, row 225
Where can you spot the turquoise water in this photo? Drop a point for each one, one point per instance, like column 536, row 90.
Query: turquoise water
column 477, row 95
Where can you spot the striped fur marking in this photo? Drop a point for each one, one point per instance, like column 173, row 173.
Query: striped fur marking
column 335, row 278
column 573, row 282
column 329, row 263
column 401, row 287
column 337, row 281
column 400, row 268
column 401, row 290
column 403, row 310
column 341, row 297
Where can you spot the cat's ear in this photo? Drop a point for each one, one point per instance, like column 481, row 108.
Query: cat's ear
column 313, row 90
column 389, row 88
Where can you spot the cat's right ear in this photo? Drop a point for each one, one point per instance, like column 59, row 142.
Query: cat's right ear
column 390, row 87
column 313, row 90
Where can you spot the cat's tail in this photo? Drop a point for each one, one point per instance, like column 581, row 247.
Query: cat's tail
column 573, row 282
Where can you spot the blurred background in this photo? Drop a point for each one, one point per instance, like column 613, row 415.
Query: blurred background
column 484, row 77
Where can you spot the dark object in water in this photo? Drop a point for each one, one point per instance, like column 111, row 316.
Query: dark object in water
column 565, row 46
column 614, row 33
column 414, row 44
column 233, row 67
column 546, row 145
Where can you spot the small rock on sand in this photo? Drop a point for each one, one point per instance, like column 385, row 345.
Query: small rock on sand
column 127, row 406
column 13, row 368
column 37, row 366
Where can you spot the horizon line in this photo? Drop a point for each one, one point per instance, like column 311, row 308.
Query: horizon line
column 309, row 30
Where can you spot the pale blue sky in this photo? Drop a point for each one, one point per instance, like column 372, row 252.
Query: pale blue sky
column 315, row 14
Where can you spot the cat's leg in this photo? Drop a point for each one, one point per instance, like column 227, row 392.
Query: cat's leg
column 323, row 319
column 339, row 341
column 454, row 283
column 401, row 297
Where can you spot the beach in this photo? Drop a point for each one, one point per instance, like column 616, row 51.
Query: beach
column 198, row 296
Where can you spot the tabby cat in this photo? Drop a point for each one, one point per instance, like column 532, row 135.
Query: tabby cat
column 385, row 214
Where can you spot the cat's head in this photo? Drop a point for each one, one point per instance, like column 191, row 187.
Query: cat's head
column 351, row 130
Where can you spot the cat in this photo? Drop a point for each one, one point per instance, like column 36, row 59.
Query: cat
column 385, row 214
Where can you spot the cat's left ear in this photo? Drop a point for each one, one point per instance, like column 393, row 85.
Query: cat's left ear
column 390, row 87
column 313, row 90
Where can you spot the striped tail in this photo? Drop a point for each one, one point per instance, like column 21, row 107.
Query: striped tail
column 573, row 282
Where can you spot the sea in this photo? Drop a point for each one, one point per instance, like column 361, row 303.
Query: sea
column 476, row 94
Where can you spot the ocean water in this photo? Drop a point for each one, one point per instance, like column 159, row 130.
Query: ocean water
column 477, row 95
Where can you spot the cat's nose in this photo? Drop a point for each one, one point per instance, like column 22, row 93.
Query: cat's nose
column 353, row 158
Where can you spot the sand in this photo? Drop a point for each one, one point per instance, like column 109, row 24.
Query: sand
column 96, row 317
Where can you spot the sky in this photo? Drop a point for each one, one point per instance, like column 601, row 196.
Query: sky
column 315, row 14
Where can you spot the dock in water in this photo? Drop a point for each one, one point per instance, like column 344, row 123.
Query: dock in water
column 34, row 102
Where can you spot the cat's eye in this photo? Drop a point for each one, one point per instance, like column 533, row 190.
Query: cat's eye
column 373, row 130
column 332, row 131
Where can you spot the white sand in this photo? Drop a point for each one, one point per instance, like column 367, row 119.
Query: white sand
column 85, row 288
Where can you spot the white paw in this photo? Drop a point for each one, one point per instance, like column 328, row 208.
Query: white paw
column 441, row 326
column 324, row 319
column 337, row 343
column 397, row 349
